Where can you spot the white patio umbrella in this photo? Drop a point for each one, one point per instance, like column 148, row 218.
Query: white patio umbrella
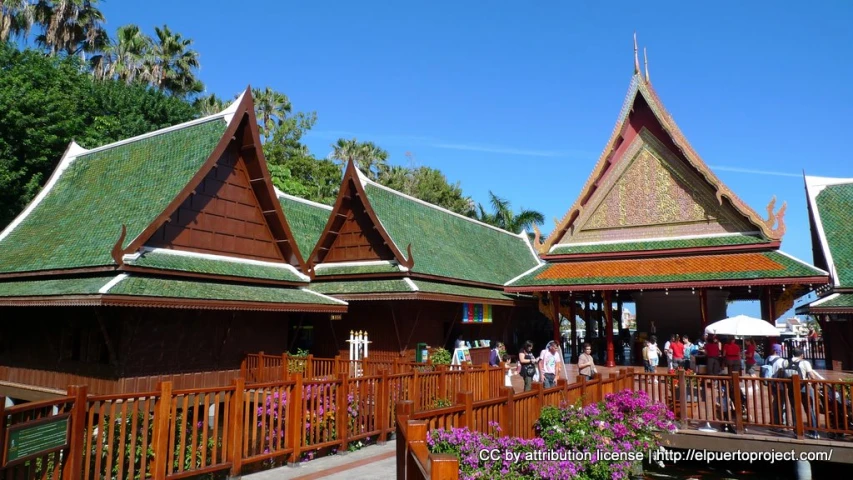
column 743, row 326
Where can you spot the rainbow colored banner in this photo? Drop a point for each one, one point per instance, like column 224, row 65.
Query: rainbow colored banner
column 476, row 313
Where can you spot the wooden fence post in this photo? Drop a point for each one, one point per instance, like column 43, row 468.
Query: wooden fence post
column 443, row 466
column 162, row 422
column 244, row 367
column 285, row 371
column 564, row 389
column 261, row 376
column 467, row 399
column 342, row 413
column 416, row 390
column 309, row 367
column 681, row 378
column 797, row 407
column 508, row 417
column 405, row 409
column 416, row 432
column 73, row 467
column 734, row 392
column 540, row 397
column 296, row 420
column 382, row 407
column 442, row 382
column 237, row 427
column 336, row 365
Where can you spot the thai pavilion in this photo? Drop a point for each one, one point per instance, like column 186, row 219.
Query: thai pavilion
column 161, row 257
column 653, row 225
column 412, row 272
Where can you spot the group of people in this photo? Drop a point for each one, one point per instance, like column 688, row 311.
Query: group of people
column 719, row 352
column 549, row 364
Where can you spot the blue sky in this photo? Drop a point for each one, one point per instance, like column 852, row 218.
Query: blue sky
column 520, row 97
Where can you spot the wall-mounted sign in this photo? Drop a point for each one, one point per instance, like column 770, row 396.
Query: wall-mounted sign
column 476, row 313
column 30, row 440
column 337, row 316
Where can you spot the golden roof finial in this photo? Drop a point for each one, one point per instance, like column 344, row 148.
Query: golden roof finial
column 646, row 61
column 636, row 57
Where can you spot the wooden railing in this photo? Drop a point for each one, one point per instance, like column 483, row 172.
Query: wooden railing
column 168, row 433
column 730, row 401
column 261, row 367
column 28, row 377
column 813, row 348
column 509, row 414
column 739, row 402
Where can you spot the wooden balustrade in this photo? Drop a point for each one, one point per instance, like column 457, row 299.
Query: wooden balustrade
column 309, row 404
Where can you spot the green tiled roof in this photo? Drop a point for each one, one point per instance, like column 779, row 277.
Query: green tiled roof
column 462, row 290
column 332, row 269
column 362, row 286
column 637, row 246
column 698, row 268
column 843, row 300
column 54, row 286
column 197, row 264
column 306, row 221
column 142, row 286
column 447, row 245
column 834, row 204
column 79, row 220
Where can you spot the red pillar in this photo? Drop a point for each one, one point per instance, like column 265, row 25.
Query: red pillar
column 574, row 324
column 608, row 315
column 703, row 307
column 555, row 315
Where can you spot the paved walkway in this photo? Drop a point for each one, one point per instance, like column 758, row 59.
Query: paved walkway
column 372, row 462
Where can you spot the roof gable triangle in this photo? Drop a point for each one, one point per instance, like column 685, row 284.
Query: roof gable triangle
column 643, row 111
column 353, row 232
column 229, row 207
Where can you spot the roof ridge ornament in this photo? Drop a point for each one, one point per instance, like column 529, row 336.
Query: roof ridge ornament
column 117, row 253
column 777, row 218
column 646, row 62
column 636, row 57
column 537, row 238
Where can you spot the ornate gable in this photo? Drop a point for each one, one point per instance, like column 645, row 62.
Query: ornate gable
column 230, row 207
column 650, row 183
column 222, row 216
column 353, row 232
column 651, row 193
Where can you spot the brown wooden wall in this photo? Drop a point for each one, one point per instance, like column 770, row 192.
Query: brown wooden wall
column 143, row 341
column 222, row 217
column 436, row 323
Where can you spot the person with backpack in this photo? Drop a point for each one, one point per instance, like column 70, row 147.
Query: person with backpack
column 770, row 368
column 798, row 366
column 527, row 365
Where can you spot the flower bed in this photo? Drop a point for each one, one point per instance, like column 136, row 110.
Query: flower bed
column 580, row 441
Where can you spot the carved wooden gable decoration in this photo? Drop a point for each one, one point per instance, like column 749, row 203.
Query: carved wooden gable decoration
column 232, row 210
column 650, row 183
column 353, row 232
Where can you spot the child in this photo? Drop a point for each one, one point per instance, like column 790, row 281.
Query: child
column 651, row 355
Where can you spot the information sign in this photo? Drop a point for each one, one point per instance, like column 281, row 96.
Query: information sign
column 29, row 440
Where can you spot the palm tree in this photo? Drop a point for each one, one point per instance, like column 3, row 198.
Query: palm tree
column 371, row 159
column 271, row 108
column 172, row 63
column 16, row 18
column 503, row 217
column 124, row 58
column 209, row 105
column 72, row 26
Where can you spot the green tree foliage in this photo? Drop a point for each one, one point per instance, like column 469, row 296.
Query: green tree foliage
column 46, row 102
column 503, row 217
column 371, row 159
column 429, row 185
